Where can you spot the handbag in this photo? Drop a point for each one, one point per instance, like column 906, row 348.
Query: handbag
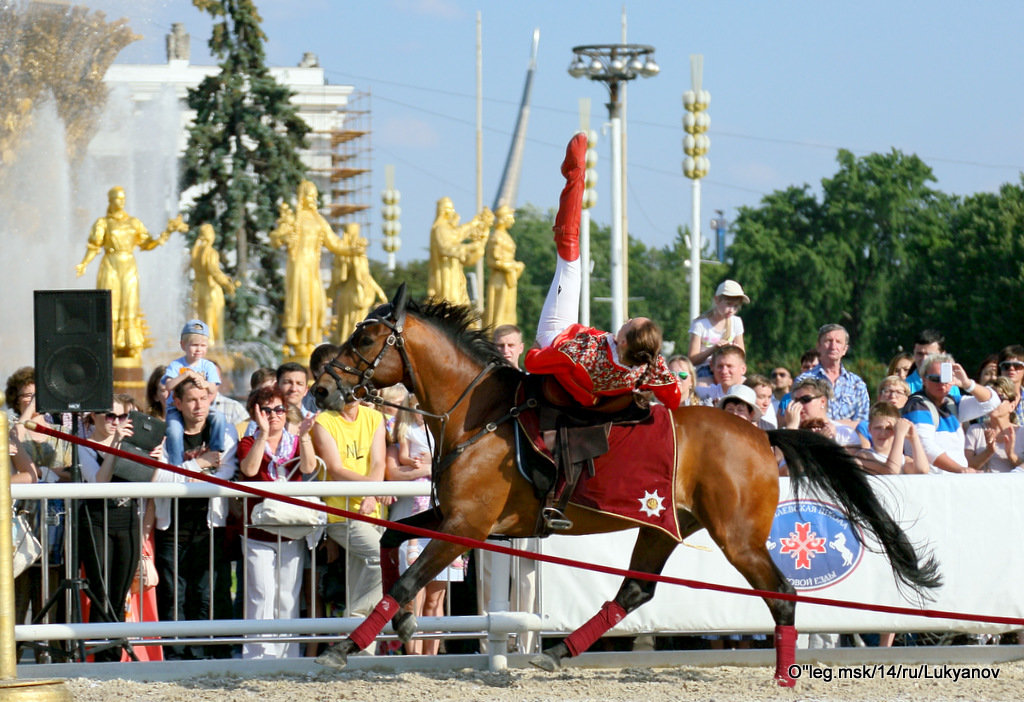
column 27, row 548
column 287, row 520
column 149, row 432
column 146, row 575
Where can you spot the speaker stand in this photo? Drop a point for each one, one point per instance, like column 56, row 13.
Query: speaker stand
column 73, row 584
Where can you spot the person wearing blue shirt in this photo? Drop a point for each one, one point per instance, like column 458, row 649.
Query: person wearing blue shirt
column 850, row 401
column 195, row 340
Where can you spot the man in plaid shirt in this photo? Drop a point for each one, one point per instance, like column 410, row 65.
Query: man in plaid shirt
column 851, row 402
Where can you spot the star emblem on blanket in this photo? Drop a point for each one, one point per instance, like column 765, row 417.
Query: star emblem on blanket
column 652, row 504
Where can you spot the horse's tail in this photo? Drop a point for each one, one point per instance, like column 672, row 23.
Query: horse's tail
column 828, row 469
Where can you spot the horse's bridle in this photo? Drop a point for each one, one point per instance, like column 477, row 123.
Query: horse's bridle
column 394, row 339
column 395, row 324
column 366, row 374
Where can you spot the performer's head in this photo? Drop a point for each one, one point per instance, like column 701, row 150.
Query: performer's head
column 639, row 341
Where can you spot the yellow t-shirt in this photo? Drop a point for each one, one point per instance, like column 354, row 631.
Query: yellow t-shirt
column 354, row 440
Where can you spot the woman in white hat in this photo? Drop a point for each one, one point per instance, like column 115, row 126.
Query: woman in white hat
column 719, row 325
column 741, row 400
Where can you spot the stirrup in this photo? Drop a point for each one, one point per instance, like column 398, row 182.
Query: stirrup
column 554, row 520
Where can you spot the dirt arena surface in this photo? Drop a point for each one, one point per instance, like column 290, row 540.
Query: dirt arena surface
column 917, row 682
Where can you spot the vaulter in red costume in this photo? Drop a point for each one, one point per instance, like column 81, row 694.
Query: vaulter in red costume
column 592, row 364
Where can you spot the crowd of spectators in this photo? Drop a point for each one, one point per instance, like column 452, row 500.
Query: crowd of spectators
column 928, row 416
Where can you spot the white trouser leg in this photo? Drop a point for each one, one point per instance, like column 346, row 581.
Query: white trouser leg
column 272, row 583
column 562, row 304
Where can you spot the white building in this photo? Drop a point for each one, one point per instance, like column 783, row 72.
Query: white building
column 338, row 157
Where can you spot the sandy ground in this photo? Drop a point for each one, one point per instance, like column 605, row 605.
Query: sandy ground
column 818, row 682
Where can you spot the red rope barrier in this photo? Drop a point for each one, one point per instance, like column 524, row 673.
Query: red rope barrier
column 557, row 560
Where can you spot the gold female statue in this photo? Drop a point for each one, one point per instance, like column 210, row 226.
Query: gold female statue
column 353, row 288
column 453, row 246
column 303, row 233
column 117, row 234
column 504, row 270
column 210, row 284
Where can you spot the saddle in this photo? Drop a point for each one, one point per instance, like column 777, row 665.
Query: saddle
column 574, row 436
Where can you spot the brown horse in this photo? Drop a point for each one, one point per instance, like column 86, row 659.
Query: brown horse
column 727, row 476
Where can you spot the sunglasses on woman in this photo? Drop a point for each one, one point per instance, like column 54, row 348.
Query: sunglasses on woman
column 278, row 409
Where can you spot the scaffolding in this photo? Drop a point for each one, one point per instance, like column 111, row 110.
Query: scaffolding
column 347, row 180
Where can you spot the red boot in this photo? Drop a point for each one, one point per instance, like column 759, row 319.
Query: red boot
column 570, row 203
column 785, row 654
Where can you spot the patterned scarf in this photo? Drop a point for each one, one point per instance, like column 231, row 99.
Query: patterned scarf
column 285, row 449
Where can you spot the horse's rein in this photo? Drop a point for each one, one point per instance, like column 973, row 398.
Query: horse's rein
column 396, row 340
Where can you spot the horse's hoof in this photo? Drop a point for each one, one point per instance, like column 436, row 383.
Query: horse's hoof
column 546, row 662
column 335, row 657
column 785, row 680
column 405, row 625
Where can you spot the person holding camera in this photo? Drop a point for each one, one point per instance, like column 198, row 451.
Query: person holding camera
column 109, row 528
column 938, row 418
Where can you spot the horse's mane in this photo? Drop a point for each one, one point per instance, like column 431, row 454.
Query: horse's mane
column 454, row 321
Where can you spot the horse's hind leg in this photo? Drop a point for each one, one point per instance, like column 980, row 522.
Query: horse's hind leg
column 650, row 553
column 434, row 558
column 755, row 564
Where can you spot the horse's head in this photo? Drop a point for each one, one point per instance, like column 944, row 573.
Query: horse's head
column 371, row 358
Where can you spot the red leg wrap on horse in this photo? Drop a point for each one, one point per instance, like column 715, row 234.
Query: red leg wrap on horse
column 785, row 654
column 610, row 614
column 570, row 203
column 366, row 632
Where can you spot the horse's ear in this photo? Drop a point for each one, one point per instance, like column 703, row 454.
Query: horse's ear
column 398, row 302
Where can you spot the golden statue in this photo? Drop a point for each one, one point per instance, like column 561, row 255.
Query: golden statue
column 210, row 284
column 504, row 271
column 117, row 234
column 453, row 246
column 303, row 233
column 352, row 287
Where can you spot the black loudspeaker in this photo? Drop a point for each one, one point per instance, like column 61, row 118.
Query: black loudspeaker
column 74, row 351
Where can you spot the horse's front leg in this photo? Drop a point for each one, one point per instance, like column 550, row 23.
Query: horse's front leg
column 434, row 558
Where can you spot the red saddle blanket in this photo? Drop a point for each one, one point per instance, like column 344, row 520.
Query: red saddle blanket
column 636, row 479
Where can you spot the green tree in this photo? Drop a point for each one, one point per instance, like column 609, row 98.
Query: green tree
column 845, row 258
column 874, row 207
column 966, row 282
column 242, row 159
column 782, row 256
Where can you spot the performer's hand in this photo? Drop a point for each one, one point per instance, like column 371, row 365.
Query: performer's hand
column 79, row 270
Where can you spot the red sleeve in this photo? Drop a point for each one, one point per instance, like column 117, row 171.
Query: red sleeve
column 244, row 446
column 664, row 385
column 669, row 395
column 570, row 374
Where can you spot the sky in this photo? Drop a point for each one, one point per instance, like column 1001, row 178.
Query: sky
column 791, row 82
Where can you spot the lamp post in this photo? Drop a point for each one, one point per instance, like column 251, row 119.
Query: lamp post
column 589, row 200
column 613, row 64
column 390, row 212
column 695, row 166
